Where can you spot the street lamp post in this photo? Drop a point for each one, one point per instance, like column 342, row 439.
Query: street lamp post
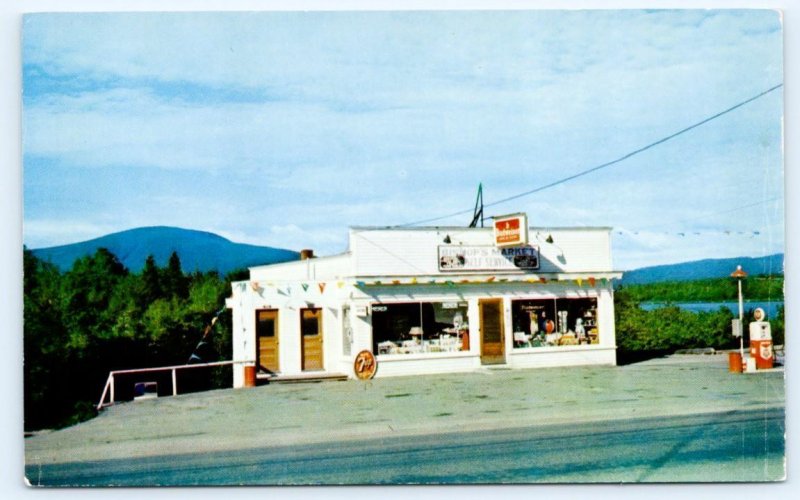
column 739, row 274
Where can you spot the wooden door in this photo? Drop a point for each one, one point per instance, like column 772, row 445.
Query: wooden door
column 311, row 341
column 267, row 340
column 492, row 337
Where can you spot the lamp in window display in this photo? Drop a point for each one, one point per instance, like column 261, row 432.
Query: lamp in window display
column 420, row 327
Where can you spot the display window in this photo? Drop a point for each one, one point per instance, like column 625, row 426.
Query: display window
column 554, row 322
column 419, row 327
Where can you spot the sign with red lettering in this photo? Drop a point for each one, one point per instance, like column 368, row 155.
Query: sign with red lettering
column 487, row 258
column 511, row 230
column 365, row 365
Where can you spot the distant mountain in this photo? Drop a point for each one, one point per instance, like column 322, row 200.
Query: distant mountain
column 198, row 250
column 702, row 269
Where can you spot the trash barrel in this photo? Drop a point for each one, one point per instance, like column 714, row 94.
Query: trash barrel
column 249, row 376
column 735, row 362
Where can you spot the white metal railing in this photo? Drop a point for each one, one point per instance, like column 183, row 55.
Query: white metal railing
column 109, row 388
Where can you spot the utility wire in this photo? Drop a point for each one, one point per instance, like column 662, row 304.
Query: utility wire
column 604, row 165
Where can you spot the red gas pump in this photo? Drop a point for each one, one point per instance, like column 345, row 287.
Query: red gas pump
column 761, row 341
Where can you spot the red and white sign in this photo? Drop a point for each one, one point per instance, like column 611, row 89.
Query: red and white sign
column 365, row 365
column 511, row 230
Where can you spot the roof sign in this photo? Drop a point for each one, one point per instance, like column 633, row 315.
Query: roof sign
column 510, row 230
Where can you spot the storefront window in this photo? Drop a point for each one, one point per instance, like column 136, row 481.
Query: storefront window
column 419, row 327
column 554, row 322
column 347, row 328
column 311, row 319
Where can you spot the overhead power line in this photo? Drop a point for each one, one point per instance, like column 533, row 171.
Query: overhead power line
column 604, row 165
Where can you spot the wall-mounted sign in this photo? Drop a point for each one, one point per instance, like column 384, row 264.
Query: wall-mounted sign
column 365, row 365
column 361, row 311
column 488, row 258
column 510, row 230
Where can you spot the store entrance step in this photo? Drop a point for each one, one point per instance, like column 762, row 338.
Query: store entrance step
column 489, row 369
column 300, row 378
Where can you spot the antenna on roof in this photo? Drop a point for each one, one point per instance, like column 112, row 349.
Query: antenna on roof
column 477, row 214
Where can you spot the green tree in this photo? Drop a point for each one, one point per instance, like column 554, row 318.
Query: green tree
column 151, row 282
column 45, row 365
column 98, row 317
column 173, row 280
column 87, row 291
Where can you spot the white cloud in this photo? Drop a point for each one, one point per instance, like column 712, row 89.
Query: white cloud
column 325, row 120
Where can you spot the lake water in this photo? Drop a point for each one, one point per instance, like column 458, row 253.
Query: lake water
column 770, row 307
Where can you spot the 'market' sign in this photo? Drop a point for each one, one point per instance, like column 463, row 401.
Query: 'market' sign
column 511, row 230
column 488, row 258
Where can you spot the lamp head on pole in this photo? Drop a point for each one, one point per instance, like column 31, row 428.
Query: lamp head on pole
column 738, row 273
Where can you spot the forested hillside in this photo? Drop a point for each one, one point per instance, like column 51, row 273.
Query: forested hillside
column 98, row 316
column 769, row 265
column 707, row 290
column 199, row 250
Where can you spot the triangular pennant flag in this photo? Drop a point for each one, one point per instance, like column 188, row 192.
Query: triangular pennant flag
column 305, row 286
column 579, row 281
column 340, row 284
column 604, row 281
column 591, row 281
column 360, row 283
column 321, row 287
column 395, row 282
column 413, row 281
column 490, row 279
column 543, row 279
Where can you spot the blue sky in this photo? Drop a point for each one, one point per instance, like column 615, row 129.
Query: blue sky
column 283, row 129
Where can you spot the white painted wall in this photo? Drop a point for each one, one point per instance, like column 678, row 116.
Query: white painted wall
column 409, row 253
column 406, row 252
column 316, row 269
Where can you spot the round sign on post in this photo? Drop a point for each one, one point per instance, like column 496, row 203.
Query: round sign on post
column 365, row 365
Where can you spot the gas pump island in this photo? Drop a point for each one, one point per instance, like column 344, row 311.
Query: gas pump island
column 761, row 341
column 761, row 355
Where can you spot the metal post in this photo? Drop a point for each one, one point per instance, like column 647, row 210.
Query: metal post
column 174, row 383
column 741, row 319
column 111, row 381
column 105, row 391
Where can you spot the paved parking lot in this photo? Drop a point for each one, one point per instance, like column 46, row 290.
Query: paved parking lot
column 489, row 399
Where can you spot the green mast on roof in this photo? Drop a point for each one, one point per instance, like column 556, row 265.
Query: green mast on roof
column 477, row 214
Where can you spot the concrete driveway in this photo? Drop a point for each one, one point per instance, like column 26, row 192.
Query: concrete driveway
column 279, row 415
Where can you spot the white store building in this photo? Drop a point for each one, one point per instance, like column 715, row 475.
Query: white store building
column 430, row 300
